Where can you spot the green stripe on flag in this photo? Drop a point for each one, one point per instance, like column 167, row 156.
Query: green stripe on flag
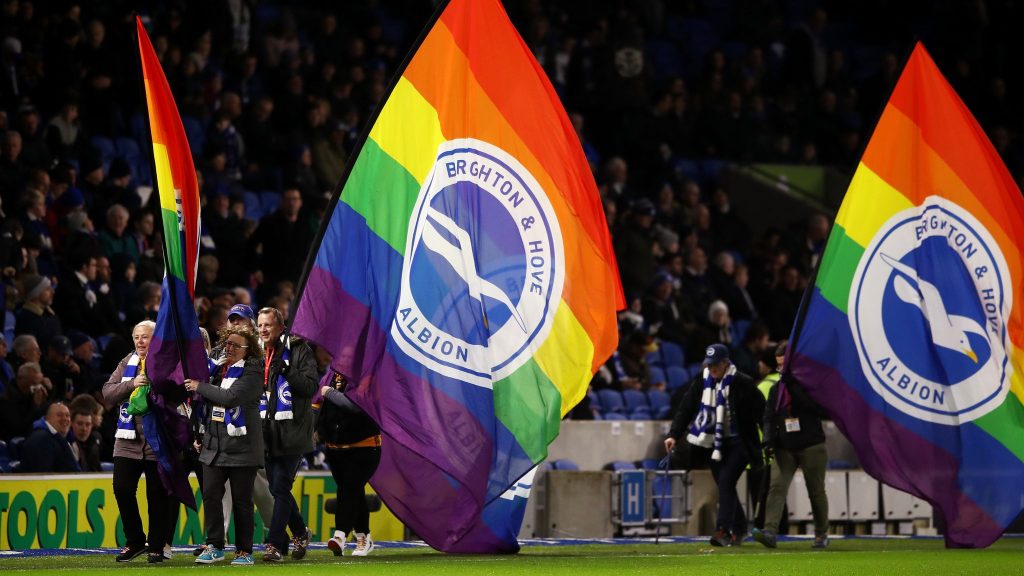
column 172, row 245
column 382, row 191
column 530, row 406
column 838, row 266
column 1004, row 424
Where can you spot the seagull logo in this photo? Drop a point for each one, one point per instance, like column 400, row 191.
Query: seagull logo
column 947, row 330
column 462, row 260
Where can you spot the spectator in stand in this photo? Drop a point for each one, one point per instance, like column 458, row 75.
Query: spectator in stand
column 75, row 300
column 747, row 355
column 60, row 368
column 88, row 380
column 719, row 323
column 280, row 237
column 24, row 402
column 85, row 443
column 634, row 248
column 35, row 316
column 147, row 303
column 106, row 305
column 116, row 190
column 47, row 448
column 26, row 349
column 115, row 238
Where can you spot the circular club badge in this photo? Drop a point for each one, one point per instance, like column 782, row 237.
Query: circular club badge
column 928, row 309
column 483, row 269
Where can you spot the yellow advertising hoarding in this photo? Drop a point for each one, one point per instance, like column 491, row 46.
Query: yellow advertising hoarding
column 79, row 511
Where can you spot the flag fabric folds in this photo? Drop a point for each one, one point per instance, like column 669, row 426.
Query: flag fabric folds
column 911, row 335
column 464, row 277
column 176, row 351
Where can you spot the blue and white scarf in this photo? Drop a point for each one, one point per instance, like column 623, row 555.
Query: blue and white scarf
column 708, row 428
column 234, row 419
column 284, row 391
column 125, row 421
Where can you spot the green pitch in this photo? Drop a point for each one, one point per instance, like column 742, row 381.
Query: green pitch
column 844, row 557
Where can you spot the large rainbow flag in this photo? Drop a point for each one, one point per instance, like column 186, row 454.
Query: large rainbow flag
column 176, row 351
column 911, row 335
column 465, row 277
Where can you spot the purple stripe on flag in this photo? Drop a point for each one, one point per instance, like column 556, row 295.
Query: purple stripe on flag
column 897, row 456
column 434, row 466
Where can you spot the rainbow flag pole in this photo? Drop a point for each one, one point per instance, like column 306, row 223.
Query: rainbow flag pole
column 464, row 278
column 176, row 351
column 911, row 335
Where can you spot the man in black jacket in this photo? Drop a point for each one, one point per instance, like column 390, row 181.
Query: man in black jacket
column 290, row 381
column 86, row 442
column 793, row 432
column 721, row 410
column 47, row 448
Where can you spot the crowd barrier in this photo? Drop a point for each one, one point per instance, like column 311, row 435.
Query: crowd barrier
column 79, row 511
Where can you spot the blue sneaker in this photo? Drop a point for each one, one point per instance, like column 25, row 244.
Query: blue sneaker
column 242, row 559
column 210, row 555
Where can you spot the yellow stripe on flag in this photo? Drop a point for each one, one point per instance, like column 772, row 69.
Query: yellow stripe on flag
column 870, row 201
column 1016, row 378
column 565, row 357
column 408, row 130
column 164, row 181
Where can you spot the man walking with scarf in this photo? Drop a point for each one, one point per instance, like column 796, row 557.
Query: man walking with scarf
column 289, row 383
column 720, row 412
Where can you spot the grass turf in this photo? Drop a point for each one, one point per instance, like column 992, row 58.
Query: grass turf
column 859, row 556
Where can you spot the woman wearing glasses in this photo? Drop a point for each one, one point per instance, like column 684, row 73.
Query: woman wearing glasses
column 233, row 443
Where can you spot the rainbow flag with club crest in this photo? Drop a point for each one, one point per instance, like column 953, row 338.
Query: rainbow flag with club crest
column 176, row 351
column 464, row 277
column 911, row 335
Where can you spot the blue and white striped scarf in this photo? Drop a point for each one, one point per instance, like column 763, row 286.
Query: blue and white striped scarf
column 708, row 427
column 234, row 419
column 284, row 391
column 125, row 421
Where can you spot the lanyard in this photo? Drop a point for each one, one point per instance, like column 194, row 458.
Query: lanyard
column 266, row 366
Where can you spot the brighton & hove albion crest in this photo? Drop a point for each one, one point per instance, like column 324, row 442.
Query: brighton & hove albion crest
column 928, row 309
column 483, row 269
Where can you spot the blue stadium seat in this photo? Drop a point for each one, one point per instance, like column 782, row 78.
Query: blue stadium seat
column 657, row 375
column 598, row 416
column 128, row 149
column 595, row 400
column 106, row 149
column 671, row 354
column 612, row 402
column 15, row 465
column 614, row 416
column 621, row 465
column 195, row 134
column 739, row 330
column 270, row 199
column 654, row 359
column 642, row 413
column 677, row 376
column 694, row 370
column 647, row 464
column 107, row 466
column 253, row 205
column 661, row 404
column 564, row 464
column 14, row 447
column 634, row 399
column 687, row 169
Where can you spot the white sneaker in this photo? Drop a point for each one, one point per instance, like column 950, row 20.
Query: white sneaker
column 168, row 554
column 364, row 545
column 337, row 543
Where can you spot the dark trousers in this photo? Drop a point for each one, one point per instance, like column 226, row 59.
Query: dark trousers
column 281, row 472
column 127, row 472
column 242, row 479
column 727, row 473
column 352, row 468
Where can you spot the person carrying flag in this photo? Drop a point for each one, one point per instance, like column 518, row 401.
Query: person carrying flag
column 289, row 383
column 133, row 456
column 232, row 443
column 721, row 412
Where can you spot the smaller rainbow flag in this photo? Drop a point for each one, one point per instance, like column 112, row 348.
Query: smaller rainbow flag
column 177, row 350
column 465, row 279
column 911, row 336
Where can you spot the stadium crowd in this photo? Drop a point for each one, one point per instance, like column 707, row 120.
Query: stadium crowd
column 273, row 100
